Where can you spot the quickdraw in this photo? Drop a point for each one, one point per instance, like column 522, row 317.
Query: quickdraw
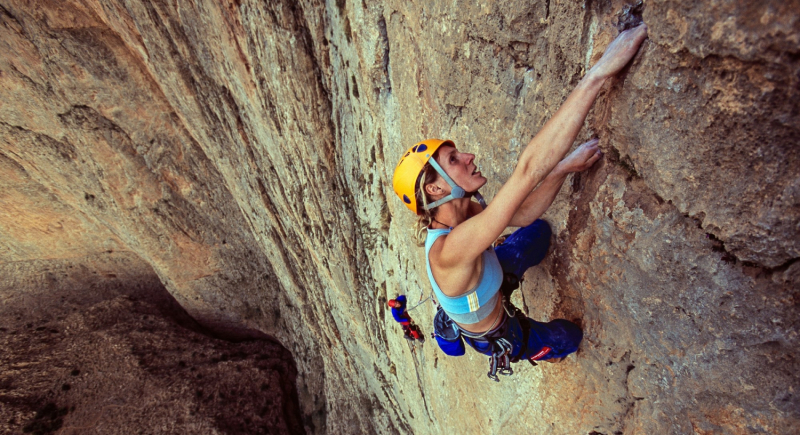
column 500, row 362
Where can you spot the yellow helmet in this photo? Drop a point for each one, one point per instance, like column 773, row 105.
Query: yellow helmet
column 410, row 167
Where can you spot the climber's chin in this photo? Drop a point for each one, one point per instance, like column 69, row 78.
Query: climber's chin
column 474, row 181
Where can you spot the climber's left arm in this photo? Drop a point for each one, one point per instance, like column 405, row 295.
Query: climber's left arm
column 539, row 200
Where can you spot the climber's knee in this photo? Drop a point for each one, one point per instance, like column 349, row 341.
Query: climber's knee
column 546, row 231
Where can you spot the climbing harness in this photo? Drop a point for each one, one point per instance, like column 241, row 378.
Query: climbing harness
column 500, row 359
column 450, row 337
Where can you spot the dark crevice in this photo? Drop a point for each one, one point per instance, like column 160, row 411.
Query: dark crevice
column 348, row 30
column 13, row 163
column 629, row 399
column 768, row 271
column 341, row 5
column 4, row 11
column 387, row 85
column 717, row 245
column 625, row 163
column 355, row 87
column 630, row 16
column 272, row 110
column 45, row 89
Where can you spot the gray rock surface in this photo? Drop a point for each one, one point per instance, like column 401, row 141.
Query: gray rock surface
column 244, row 150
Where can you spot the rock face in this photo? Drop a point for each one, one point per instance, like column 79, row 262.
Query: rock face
column 242, row 151
column 95, row 348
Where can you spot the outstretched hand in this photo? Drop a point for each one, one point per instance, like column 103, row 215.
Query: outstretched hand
column 582, row 158
column 620, row 52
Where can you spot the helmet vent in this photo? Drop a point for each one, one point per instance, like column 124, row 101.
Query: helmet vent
column 420, row 148
column 406, row 200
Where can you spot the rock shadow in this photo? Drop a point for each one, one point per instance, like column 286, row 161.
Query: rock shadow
column 99, row 345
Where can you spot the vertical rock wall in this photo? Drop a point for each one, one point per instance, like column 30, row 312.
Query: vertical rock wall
column 244, row 151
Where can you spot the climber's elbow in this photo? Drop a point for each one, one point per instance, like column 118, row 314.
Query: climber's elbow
column 531, row 172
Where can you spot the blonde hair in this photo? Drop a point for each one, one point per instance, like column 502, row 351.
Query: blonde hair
column 424, row 216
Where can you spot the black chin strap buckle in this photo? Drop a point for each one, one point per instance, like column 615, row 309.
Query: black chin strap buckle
column 477, row 195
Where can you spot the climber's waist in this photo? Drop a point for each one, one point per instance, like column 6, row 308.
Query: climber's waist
column 498, row 328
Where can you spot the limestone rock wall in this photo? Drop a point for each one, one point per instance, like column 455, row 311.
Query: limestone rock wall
column 243, row 150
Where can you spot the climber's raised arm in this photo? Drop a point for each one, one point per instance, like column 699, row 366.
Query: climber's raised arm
column 467, row 240
column 553, row 141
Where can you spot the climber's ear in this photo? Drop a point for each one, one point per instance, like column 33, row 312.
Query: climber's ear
column 432, row 189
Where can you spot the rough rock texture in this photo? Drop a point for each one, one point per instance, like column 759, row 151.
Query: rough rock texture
column 101, row 347
column 243, row 150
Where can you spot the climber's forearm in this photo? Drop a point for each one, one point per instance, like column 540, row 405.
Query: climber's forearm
column 553, row 141
column 540, row 199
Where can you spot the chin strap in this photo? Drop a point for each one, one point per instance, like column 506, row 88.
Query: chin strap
column 480, row 199
column 455, row 190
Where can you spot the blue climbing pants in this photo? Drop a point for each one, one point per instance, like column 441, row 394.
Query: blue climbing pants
column 560, row 335
column 524, row 248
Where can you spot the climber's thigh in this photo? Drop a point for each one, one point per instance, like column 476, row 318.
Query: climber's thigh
column 524, row 248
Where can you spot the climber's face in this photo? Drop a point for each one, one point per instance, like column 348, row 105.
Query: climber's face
column 461, row 168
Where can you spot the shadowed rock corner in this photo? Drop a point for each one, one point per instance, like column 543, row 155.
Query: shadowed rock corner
column 630, row 16
column 87, row 350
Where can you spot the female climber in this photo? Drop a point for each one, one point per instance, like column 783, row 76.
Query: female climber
column 437, row 182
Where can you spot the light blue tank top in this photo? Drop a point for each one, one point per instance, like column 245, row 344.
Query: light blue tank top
column 476, row 304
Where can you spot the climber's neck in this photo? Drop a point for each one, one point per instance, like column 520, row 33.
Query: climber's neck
column 452, row 213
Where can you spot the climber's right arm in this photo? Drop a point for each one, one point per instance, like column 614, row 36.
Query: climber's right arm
column 470, row 238
column 553, row 141
column 542, row 154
